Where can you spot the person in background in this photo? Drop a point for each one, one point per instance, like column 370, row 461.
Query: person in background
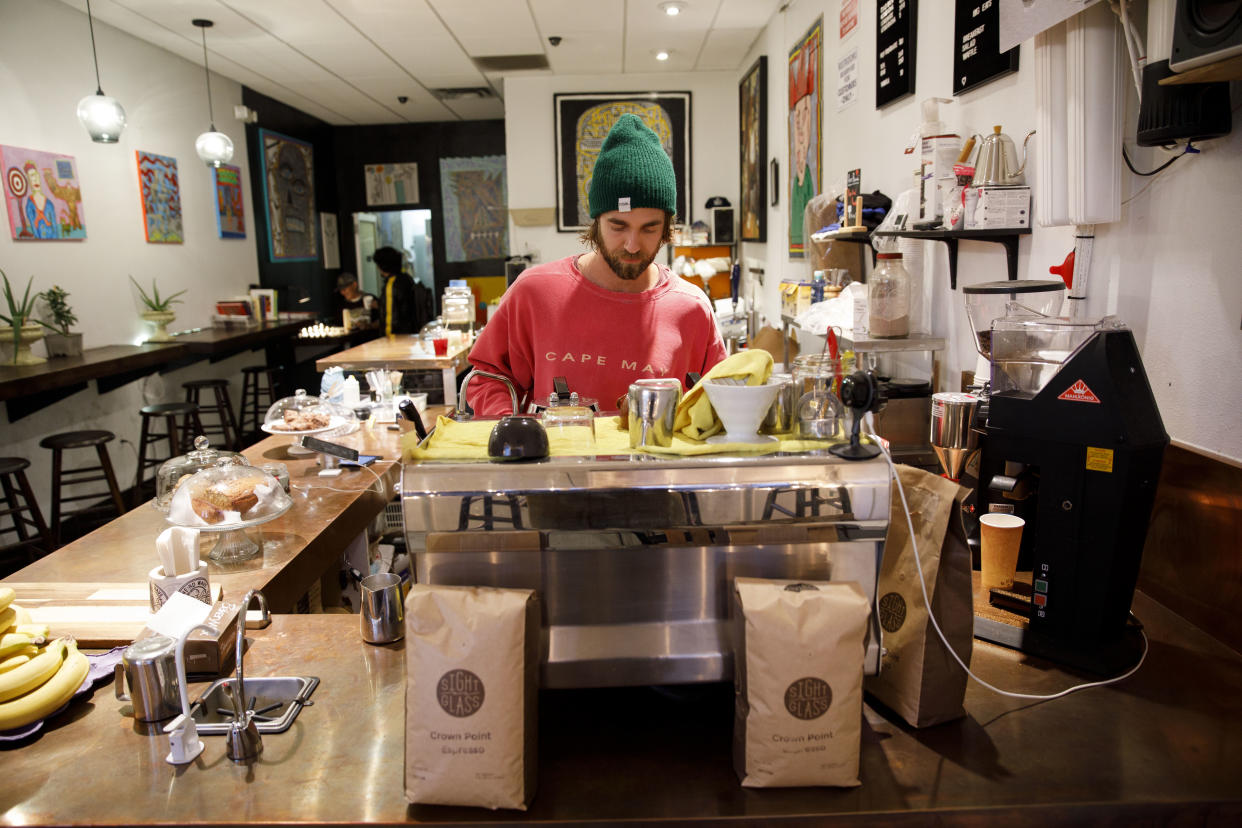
column 363, row 307
column 397, row 315
column 611, row 315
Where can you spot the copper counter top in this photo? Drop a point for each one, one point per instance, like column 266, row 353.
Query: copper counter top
column 1165, row 744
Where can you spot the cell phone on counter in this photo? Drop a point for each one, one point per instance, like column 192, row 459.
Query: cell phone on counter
column 363, row 460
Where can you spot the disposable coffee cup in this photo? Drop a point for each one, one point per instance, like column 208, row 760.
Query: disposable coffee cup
column 1000, row 538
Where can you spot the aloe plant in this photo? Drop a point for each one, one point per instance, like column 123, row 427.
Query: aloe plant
column 154, row 301
column 20, row 313
column 62, row 315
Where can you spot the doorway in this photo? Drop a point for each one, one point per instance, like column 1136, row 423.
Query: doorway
column 406, row 230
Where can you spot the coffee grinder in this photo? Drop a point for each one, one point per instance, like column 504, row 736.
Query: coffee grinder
column 1071, row 440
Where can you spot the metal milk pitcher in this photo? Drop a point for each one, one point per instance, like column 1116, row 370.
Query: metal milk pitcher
column 997, row 165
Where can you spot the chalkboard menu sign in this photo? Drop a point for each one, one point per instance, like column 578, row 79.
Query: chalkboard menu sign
column 896, row 31
column 976, row 45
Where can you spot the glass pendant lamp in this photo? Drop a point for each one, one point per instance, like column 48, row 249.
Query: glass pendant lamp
column 213, row 147
column 101, row 114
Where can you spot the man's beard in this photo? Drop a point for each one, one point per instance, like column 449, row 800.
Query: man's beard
column 629, row 271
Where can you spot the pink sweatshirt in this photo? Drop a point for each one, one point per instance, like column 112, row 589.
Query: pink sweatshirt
column 553, row 322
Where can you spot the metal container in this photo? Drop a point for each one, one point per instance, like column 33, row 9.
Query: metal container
column 149, row 670
column 634, row 556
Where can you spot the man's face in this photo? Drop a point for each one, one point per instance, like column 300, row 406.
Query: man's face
column 630, row 241
column 802, row 131
column 350, row 291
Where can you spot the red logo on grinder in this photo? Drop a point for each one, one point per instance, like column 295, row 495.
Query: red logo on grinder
column 1079, row 392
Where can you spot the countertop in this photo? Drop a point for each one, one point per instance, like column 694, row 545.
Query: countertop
column 1164, row 746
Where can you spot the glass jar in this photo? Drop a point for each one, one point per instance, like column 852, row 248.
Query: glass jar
column 820, row 372
column 457, row 306
column 888, row 298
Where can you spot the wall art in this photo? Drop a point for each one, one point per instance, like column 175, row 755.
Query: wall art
column 806, row 75
column 476, row 221
column 230, row 207
column 752, row 98
column 161, row 198
column 289, row 193
column 42, row 194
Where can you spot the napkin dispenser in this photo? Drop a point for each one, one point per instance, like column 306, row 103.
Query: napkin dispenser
column 209, row 648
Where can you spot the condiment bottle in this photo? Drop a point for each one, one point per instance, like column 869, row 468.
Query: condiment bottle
column 888, row 298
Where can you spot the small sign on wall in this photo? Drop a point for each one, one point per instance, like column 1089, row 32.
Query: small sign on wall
column 896, row 33
column 977, row 58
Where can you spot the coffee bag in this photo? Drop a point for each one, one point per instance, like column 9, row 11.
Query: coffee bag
column 472, row 660
column 798, row 668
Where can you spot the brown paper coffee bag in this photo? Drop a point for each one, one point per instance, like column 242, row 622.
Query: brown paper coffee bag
column 919, row 679
column 471, row 667
column 798, row 667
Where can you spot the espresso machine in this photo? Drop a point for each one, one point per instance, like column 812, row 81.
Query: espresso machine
column 1070, row 439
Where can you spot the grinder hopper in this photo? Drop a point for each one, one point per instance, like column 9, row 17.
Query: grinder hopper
column 988, row 301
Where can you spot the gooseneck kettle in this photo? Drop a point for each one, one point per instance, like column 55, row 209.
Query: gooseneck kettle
column 997, row 165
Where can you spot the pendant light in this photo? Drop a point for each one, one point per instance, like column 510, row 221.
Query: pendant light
column 103, row 116
column 215, row 148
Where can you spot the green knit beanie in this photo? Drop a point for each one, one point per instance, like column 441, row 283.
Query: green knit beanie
column 632, row 170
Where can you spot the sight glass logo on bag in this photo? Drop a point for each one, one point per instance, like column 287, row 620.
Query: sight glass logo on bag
column 808, row 698
column 892, row 612
column 460, row 693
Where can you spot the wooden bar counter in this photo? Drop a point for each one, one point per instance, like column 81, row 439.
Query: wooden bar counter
column 401, row 352
column 327, row 513
column 1163, row 747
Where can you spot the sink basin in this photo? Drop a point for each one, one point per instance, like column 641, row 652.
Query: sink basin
column 276, row 701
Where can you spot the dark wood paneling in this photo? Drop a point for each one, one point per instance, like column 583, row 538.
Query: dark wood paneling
column 1192, row 562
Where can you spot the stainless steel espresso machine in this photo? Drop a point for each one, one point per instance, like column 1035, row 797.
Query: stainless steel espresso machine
column 634, row 555
column 1070, row 439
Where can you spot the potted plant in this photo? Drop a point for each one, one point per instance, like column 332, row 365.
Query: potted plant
column 158, row 312
column 61, row 342
column 23, row 329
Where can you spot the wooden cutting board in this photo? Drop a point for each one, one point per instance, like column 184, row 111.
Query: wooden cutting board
column 98, row 615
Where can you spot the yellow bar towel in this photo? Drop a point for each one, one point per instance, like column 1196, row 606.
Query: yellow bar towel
column 695, row 417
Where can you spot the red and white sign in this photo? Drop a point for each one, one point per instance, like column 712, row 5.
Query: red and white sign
column 849, row 17
column 1079, row 392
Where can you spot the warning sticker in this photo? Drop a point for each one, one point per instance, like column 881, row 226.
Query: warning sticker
column 1079, row 392
column 1099, row 459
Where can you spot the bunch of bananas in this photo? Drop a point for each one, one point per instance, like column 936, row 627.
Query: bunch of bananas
column 36, row 677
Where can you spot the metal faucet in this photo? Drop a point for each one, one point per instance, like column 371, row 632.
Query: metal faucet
column 244, row 742
column 461, row 415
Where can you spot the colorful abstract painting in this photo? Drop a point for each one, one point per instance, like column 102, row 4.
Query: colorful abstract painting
column 752, row 99
column 476, row 222
column 230, row 209
column 42, row 195
column 806, row 65
column 289, row 193
column 582, row 124
column 161, row 198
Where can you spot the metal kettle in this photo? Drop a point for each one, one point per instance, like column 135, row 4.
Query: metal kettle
column 997, row 164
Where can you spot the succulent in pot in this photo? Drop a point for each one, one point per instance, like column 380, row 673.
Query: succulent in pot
column 158, row 310
column 23, row 329
column 62, row 341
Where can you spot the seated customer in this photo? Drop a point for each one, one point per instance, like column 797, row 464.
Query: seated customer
column 362, row 307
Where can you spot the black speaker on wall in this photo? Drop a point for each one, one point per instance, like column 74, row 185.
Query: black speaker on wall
column 1205, row 31
column 722, row 225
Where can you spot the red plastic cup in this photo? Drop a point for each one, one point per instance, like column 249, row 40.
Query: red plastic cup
column 441, row 346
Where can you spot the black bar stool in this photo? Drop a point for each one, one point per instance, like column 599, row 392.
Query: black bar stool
column 257, row 381
column 221, row 409
column 20, row 507
column 62, row 477
column 177, row 438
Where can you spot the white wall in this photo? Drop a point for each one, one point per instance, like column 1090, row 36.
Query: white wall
column 45, row 68
column 531, row 148
column 1169, row 268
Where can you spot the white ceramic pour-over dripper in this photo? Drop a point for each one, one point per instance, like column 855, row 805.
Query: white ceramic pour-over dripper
column 741, row 408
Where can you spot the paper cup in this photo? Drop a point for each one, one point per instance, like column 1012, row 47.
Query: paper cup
column 193, row 584
column 1000, row 538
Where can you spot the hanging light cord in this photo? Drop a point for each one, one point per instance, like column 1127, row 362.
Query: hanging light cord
column 91, row 22
column 207, row 72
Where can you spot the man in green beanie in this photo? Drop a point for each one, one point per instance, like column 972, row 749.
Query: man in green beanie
column 612, row 315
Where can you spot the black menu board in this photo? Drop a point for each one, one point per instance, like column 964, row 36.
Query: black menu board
column 976, row 45
column 896, row 32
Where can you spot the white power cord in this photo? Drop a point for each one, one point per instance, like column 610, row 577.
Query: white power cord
column 868, row 420
column 383, row 487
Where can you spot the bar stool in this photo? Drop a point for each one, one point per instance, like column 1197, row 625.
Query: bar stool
column 221, row 409
column 20, row 506
column 256, row 380
column 62, row 477
column 188, row 412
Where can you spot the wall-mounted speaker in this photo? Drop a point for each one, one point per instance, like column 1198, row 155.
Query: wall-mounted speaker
column 722, row 225
column 1205, row 31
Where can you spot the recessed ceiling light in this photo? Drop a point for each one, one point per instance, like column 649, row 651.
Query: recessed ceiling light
column 661, row 55
column 673, row 7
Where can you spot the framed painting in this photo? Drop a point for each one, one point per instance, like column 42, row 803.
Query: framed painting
column 42, row 194
column 161, row 198
column 476, row 217
column 582, row 123
column 230, row 209
column 289, row 193
column 752, row 99
column 806, row 63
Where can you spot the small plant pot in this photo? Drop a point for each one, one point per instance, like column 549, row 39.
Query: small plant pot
column 160, row 319
column 63, row 345
column 20, row 341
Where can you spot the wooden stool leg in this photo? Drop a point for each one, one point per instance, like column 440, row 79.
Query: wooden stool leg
column 232, row 439
column 173, row 442
column 142, row 459
column 113, row 488
column 40, row 526
column 244, row 423
column 56, row 470
column 10, row 498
